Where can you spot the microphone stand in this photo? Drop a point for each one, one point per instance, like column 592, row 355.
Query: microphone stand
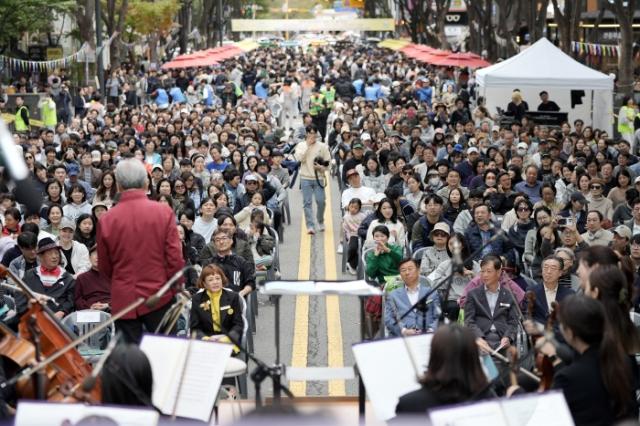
column 261, row 372
column 449, row 279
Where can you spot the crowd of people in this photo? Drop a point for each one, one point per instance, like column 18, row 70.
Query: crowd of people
column 433, row 186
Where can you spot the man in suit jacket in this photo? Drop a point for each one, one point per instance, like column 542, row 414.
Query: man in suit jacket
column 402, row 299
column 549, row 291
column 490, row 310
column 139, row 250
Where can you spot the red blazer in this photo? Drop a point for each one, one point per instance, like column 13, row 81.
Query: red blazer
column 138, row 250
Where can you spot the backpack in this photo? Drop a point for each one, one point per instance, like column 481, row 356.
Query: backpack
column 265, row 245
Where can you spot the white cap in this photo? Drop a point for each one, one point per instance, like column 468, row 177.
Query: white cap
column 523, row 145
column 473, row 150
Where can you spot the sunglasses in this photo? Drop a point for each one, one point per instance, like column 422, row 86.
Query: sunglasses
column 596, row 187
column 439, row 234
column 523, row 209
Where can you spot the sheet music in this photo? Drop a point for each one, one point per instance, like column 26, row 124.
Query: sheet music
column 202, row 377
column 385, row 387
column 166, row 356
column 34, row 413
column 549, row 409
column 289, row 287
column 481, row 413
column 343, row 287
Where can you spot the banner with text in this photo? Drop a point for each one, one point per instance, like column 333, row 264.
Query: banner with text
column 258, row 25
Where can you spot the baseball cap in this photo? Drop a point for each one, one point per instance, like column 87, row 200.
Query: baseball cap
column 357, row 145
column 67, row 223
column 365, row 137
column 440, row 226
column 637, row 180
column 251, row 177
column 458, row 148
column 523, row 145
column 623, row 231
column 95, row 155
column 156, row 167
column 495, row 128
column 73, row 170
column 473, row 150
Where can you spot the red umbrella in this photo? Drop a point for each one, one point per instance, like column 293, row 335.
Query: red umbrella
column 462, row 60
column 192, row 60
column 433, row 56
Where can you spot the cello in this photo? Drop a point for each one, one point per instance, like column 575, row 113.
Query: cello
column 40, row 335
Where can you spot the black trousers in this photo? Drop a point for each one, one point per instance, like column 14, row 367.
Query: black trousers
column 132, row 329
column 352, row 252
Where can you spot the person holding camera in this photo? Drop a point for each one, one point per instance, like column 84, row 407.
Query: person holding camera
column 314, row 159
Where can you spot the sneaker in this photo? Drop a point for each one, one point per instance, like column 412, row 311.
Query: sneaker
column 340, row 248
column 321, row 227
column 351, row 270
column 311, row 231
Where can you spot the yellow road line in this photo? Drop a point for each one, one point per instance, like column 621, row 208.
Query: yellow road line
column 334, row 326
column 301, row 320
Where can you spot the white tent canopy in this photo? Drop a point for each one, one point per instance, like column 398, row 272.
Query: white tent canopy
column 543, row 66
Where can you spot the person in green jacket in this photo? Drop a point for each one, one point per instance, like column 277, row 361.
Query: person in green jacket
column 383, row 260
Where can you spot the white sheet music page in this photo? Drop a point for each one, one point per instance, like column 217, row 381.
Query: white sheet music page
column 202, row 374
column 166, row 356
column 34, row 413
column 202, row 379
column 385, row 386
column 548, row 409
column 478, row 414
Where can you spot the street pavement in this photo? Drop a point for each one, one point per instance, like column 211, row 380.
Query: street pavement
column 314, row 331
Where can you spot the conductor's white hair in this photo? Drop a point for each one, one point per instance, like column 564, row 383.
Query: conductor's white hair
column 131, row 174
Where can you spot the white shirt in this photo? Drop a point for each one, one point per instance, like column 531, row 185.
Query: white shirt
column 551, row 296
column 413, row 295
column 364, row 193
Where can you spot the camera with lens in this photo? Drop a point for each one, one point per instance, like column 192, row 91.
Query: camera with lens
column 319, row 161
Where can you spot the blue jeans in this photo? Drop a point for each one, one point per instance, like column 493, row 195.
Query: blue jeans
column 310, row 188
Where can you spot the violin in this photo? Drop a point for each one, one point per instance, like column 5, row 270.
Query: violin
column 543, row 365
column 40, row 335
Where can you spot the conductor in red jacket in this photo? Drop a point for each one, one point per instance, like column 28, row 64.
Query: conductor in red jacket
column 139, row 250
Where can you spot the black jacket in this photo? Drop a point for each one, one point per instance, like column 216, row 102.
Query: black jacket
column 231, row 320
column 239, row 272
column 62, row 291
column 587, row 398
column 424, row 399
column 478, row 316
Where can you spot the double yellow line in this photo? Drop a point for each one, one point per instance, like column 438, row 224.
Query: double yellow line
column 301, row 322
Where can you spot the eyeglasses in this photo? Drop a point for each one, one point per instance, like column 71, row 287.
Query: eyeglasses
column 524, row 209
column 596, row 187
column 28, row 157
column 440, row 234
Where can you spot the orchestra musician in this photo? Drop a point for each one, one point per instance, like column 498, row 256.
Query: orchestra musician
column 598, row 384
column 454, row 374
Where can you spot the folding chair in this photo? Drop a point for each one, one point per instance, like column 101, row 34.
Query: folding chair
column 419, row 253
column 82, row 322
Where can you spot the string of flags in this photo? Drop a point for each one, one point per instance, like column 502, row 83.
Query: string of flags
column 595, row 49
column 24, row 65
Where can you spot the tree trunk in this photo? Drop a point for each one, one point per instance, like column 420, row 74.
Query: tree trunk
column 624, row 10
column 625, row 61
column 85, row 12
column 442, row 7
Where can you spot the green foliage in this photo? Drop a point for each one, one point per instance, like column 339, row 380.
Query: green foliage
column 147, row 17
column 20, row 16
